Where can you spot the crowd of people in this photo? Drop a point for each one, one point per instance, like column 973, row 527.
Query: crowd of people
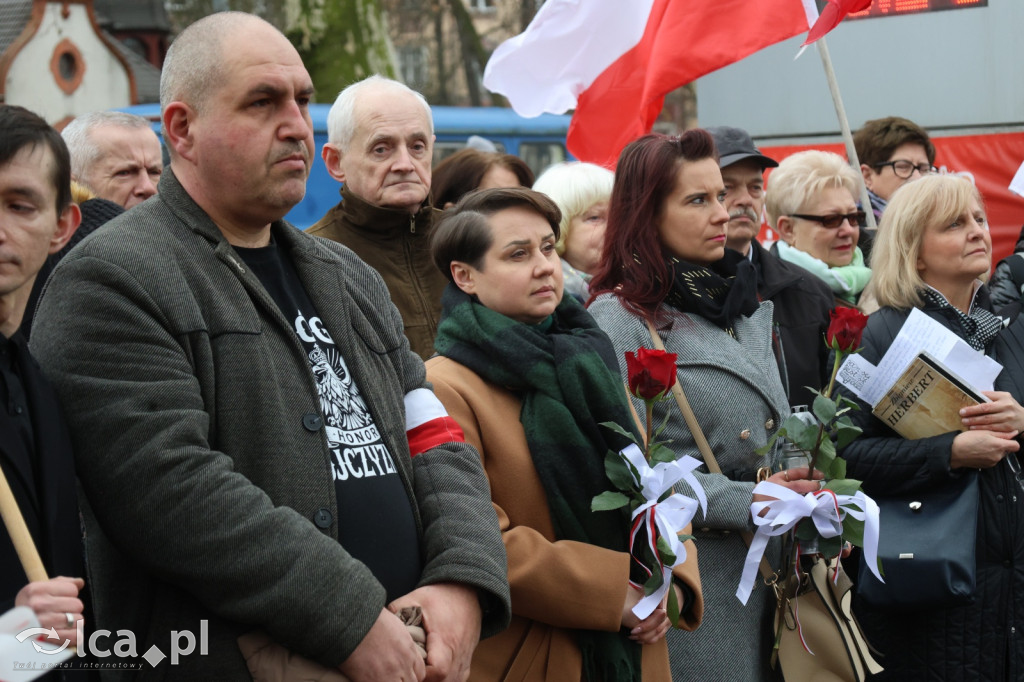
column 368, row 451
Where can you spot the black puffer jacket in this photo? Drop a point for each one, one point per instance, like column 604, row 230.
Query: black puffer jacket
column 1003, row 286
column 981, row 641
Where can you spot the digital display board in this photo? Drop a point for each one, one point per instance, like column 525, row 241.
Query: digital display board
column 888, row 8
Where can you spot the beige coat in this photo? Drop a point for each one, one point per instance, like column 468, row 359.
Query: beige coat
column 557, row 586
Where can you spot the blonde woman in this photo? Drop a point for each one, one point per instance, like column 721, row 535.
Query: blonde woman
column 810, row 205
column 582, row 192
column 932, row 253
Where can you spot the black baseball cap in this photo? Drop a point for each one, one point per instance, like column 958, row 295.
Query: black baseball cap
column 734, row 144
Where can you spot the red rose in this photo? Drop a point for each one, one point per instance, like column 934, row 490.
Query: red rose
column 652, row 373
column 845, row 329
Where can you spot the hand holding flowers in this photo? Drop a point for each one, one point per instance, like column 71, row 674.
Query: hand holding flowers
column 644, row 475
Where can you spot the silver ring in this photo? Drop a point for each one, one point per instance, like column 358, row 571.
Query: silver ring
column 69, row 618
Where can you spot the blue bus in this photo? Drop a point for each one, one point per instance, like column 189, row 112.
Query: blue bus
column 538, row 141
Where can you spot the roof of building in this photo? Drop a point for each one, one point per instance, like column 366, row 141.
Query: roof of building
column 14, row 14
column 132, row 15
column 147, row 76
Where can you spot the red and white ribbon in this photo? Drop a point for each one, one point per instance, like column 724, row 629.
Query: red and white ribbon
column 826, row 510
column 667, row 518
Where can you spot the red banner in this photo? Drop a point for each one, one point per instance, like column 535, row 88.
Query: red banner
column 990, row 161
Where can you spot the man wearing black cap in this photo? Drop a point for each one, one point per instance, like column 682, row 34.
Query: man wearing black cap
column 802, row 301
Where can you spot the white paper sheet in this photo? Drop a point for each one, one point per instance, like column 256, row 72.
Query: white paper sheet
column 20, row 661
column 855, row 373
column 919, row 333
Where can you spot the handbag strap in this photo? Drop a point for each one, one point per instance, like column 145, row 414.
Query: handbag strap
column 703, row 446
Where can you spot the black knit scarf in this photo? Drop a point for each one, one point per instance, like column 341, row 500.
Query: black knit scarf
column 567, row 376
column 719, row 293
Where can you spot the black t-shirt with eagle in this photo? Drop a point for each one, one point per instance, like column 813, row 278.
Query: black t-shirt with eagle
column 375, row 519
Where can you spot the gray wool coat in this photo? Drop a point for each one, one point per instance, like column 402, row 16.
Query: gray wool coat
column 208, row 493
column 737, row 396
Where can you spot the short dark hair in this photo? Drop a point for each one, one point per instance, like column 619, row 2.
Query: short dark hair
column 22, row 128
column 644, row 177
column 464, row 231
column 878, row 139
column 463, row 171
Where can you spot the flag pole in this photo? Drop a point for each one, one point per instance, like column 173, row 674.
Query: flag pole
column 844, row 126
column 20, row 536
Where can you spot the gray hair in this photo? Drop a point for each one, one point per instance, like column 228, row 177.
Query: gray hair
column 76, row 134
column 341, row 119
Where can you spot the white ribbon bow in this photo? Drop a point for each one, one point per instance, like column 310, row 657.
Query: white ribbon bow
column 825, row 509
column 667, row 518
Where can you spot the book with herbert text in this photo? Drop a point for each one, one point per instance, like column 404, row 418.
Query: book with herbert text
column 926, row 400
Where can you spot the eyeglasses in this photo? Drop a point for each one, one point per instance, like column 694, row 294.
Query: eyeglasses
column 1018, row 476
column 834, row 220
column 904, row 169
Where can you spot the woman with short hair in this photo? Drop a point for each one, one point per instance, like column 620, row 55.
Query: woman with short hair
column 529, row 377
column 811, row 207
column 932, row 254
column 581, row 191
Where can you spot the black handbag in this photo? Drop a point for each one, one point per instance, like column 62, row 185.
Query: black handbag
column 927, row 549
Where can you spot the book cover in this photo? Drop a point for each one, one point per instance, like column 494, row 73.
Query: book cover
column 926, row 400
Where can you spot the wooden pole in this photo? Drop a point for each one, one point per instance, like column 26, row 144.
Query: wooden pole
column 22, row 539
column 844, row 126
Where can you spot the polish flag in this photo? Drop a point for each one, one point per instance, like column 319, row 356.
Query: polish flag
column 833, row 13
column 427, row 423
column 615, row 60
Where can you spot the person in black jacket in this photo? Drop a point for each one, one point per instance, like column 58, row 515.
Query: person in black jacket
column 802, row 301
column 1008, row 279
column 37, row 218
column 931, row 256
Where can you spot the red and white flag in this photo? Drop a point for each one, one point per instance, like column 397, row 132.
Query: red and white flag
column 615, row 60
column 834, row 12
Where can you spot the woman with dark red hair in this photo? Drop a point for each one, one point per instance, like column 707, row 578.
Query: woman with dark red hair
column 665, row 267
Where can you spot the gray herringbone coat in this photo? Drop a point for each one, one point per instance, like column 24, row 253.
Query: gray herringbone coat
column 734, row 388
column 207, row 483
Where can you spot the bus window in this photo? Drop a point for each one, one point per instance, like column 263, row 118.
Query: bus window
column 445, row 148
column 539, row 155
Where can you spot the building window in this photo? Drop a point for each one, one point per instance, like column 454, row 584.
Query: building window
column 481, row 5
column 67, row 66
column 412, row 63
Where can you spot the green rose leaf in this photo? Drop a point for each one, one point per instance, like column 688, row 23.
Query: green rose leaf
column 612, row 426
column 618, row 471
column 804, row 436
column 853, row 530
column 846, row 434
column 824, row 409
column 848, row 404
column 607, row 500
column 838, row 469
column 843, row 486
column 673, row 608
column 653, row 583
column 763, row 450
column 667, row 555
column 660, row 453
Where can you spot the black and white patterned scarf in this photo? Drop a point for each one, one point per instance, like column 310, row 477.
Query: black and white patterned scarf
column 980, row 327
